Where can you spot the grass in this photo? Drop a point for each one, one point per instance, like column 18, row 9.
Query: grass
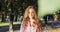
column 6, row 24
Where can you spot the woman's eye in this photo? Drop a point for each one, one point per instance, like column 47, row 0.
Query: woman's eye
column 28, row 12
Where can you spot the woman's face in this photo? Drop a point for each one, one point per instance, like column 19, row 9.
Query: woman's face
column 31, row 13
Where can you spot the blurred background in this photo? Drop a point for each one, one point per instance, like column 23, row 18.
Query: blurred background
column 12, row 11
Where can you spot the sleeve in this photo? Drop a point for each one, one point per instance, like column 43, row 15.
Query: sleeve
column 21, row 28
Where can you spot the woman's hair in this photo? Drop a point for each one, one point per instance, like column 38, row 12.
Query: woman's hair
column 26, row 14
column 26, row 18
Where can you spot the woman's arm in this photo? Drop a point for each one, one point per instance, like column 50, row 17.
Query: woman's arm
column 21, row 28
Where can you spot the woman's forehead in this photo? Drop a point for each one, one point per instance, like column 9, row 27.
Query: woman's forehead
column 30, row 10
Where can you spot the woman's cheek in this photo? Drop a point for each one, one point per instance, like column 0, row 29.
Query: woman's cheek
column 31, row 14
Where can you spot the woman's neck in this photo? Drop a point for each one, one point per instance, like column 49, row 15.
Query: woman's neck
column 30, row 17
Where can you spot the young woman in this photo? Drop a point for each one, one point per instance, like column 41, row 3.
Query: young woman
column 30, row 21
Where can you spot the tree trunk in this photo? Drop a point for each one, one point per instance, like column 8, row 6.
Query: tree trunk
column 11, row 27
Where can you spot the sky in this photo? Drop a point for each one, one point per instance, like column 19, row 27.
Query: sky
column 47, row 7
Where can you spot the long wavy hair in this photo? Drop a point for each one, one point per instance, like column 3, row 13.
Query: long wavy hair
column 26, row 18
